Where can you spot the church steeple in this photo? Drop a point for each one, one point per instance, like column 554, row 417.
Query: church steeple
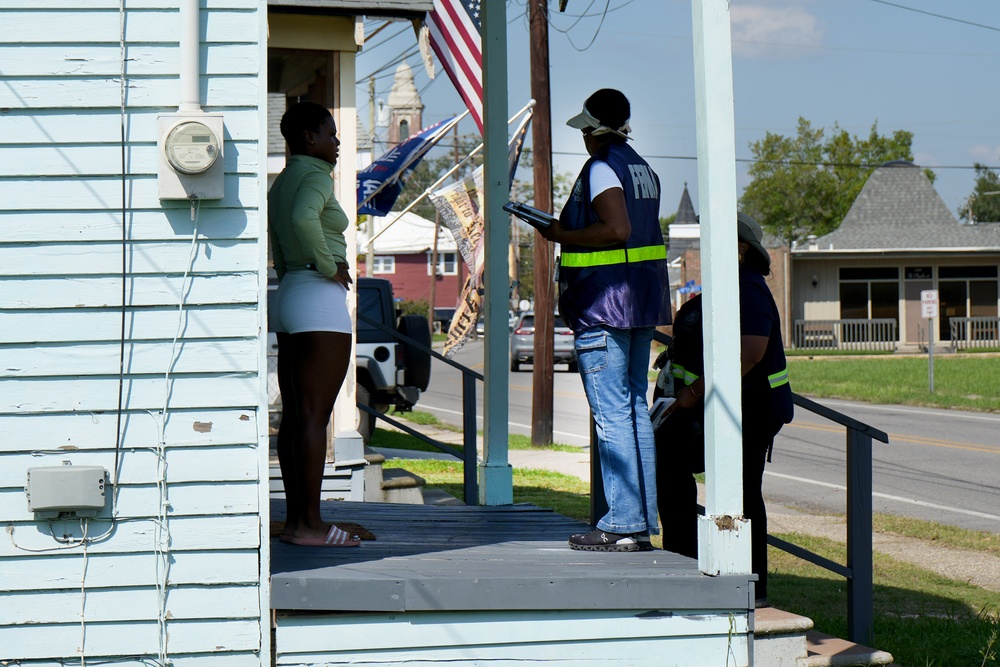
column 685, row 211
column 405, row 107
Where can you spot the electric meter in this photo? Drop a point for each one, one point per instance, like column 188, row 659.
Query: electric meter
column 191, row 151
column 191, row 147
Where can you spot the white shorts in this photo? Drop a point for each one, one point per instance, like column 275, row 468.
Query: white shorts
column 308, row 301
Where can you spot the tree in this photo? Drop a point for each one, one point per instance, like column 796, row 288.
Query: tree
column 983, row 205
column 665, row 225
column 805, row 185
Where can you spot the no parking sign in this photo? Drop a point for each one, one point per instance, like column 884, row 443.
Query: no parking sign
column 929, row 303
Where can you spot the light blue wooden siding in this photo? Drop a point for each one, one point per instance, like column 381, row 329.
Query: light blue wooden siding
column 560, row 638
column 63, row 204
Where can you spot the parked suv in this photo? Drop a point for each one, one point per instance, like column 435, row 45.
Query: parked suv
column 522, row 343
column 390, row 372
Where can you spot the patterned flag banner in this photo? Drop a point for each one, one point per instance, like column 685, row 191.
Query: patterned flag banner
column 390, row 171
column 456, row 36
column 461, row 208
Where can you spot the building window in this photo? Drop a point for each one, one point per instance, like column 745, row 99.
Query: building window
column 383, row 264
column 965, row 291
column 868, row 293
column 447, row 264
column 404, row 130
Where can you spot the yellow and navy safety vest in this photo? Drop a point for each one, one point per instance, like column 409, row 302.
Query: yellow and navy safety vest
column 766, row 391
column 623, row 286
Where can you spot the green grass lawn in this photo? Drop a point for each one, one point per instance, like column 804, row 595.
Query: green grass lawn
column 920, row 617
column 967, row 382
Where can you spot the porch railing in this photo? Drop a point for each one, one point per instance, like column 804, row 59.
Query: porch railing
column 969, row 332
column 469, row 452
column 858, row 571
column 846, row 334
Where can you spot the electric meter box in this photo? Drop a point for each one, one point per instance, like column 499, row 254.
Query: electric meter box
column 66, row 489
column 190, row 149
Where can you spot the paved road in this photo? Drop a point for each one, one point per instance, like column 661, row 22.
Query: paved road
column 939, row 465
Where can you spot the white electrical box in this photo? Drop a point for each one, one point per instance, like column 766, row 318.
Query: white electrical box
column 66, row 489
column 190, row 150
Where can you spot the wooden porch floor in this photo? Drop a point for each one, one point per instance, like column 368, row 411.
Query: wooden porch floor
column 459, row 558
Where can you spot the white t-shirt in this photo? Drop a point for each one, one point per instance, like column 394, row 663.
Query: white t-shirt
column 602, row 177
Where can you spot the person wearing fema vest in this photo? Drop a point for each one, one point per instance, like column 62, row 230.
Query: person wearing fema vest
column 613, row 292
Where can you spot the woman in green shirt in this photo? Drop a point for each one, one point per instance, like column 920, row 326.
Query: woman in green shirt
column 310, row 318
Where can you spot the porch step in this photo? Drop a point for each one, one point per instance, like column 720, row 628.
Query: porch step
column 827, row 651
column 340, row 482
column 783, row 639
column 779, row 638
column 392, row 485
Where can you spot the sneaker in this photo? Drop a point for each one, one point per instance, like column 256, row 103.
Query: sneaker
column 602, row 540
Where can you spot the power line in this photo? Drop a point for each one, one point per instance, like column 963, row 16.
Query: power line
column 940, row 16
column 790, row 163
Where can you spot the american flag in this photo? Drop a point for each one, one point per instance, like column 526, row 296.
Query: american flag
column 455, row 30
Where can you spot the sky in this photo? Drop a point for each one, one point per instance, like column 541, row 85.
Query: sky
column 925, row 66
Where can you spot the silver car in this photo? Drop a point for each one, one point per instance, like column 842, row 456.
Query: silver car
column 522, row 343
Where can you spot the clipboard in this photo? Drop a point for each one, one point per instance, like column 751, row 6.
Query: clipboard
column 658, row 411
column 531, row 215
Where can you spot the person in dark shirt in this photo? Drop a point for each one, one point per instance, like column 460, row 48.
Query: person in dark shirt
column 767, row 406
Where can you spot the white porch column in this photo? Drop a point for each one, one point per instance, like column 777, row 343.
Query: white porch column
column 347, row 442
column 496, row 477
column 723, row 533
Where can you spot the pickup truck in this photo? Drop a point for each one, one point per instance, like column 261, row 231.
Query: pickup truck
column 389, row 372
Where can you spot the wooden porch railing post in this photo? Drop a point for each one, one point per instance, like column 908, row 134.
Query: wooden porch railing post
column 860, row 591
column 471, row 467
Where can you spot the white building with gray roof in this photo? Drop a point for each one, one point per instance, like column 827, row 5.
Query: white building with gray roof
column 898, row 240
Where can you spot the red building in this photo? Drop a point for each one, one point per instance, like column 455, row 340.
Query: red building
column 402, row 253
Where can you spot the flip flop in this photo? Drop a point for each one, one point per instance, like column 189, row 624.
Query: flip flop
column 334, row 538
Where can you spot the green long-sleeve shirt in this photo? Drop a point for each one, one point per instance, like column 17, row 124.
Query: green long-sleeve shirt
column 306, row 223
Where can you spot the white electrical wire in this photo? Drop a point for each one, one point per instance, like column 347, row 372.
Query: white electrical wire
column 161, row 541
column 84, row 527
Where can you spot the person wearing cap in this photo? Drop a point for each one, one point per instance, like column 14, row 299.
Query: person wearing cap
column 767, row 406
column 613, row 292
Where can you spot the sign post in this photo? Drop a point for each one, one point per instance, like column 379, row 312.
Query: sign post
column 929, row 310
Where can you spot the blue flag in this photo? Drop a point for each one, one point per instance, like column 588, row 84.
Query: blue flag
column 387, row 175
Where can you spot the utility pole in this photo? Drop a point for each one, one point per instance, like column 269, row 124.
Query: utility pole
column 541, row 139
column 370, row 253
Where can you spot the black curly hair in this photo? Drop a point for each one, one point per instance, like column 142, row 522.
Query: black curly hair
column 300, row 117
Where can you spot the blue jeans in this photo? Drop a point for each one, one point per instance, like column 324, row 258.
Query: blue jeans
column 614, row 364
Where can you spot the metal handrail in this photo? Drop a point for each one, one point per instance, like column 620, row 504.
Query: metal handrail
column 858, row 572
column 469, row 453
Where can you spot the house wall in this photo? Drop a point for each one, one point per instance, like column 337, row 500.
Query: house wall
column 175, row 564
column 411, row 281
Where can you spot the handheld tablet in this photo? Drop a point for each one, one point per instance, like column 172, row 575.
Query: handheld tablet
column 531, row 215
